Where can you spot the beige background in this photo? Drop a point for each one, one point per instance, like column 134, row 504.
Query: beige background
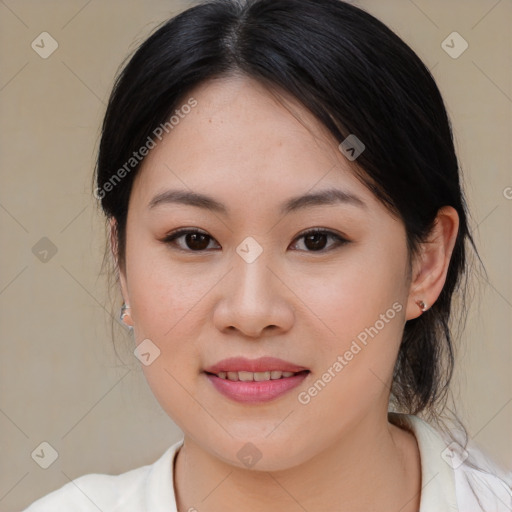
column 60, row 380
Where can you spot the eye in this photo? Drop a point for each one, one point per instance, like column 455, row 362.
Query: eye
column 314, row 239
column 198, row 241
column 195, row 240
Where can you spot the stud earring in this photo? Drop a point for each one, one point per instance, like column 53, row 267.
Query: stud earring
column 422, row 305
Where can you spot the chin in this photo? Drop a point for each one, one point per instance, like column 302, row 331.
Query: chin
column 262, row 454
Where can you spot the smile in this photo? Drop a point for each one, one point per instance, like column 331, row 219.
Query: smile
column 255, row 376
column 257, row 387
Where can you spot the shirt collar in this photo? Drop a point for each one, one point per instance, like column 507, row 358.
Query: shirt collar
column 437, row 476
column 160, row 495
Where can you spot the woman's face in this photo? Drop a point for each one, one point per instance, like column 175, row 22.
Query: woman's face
column 255, row 286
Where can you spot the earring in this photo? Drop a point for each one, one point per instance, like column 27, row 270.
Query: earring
column 124, row 314
column 422, row 305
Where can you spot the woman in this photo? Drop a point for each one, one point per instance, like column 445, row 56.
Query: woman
column 288, row 229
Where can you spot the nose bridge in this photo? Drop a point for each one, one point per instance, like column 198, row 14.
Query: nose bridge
column 251, row 273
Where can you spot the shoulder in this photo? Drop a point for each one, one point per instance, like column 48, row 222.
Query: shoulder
column 93, row 492
column 126, row 492
column 462, row 473
column 481, row 484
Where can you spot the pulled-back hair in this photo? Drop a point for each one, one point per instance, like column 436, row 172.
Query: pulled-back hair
column 356, row 76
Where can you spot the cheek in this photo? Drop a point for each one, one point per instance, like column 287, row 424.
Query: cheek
column 167, row 311
column 165, row 302
column 360, row 307
column 352, row 294
column 163, row 293
column 362, row 324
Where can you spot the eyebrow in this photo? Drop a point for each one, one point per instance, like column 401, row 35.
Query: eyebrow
column 326, row 197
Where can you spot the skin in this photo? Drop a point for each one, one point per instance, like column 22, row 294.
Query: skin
column 339, row 451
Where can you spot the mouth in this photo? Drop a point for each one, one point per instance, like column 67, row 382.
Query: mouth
column 252, row 381
column 264, row 368
column 252, row 388
column 246, row 376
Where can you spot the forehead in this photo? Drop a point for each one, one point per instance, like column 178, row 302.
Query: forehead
column 240, row 140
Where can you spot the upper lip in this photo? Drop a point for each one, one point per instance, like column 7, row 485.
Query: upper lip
column 263, row 364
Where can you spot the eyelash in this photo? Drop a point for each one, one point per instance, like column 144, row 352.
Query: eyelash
column 340, row 241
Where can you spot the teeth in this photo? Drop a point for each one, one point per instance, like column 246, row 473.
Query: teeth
column 256, row 376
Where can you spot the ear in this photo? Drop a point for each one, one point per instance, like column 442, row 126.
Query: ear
column 115, row 254
column 431, row 265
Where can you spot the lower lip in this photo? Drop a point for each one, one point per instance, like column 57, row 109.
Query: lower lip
column 256, row 392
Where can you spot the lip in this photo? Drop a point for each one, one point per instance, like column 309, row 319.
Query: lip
column 253, row 392
column 263, row 364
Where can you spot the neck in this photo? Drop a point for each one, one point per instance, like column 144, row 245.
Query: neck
column 372, row 466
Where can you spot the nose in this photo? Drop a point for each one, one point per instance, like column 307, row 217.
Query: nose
column 256, row 300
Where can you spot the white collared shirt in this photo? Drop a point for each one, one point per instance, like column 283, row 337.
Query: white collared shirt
column 449, row 483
